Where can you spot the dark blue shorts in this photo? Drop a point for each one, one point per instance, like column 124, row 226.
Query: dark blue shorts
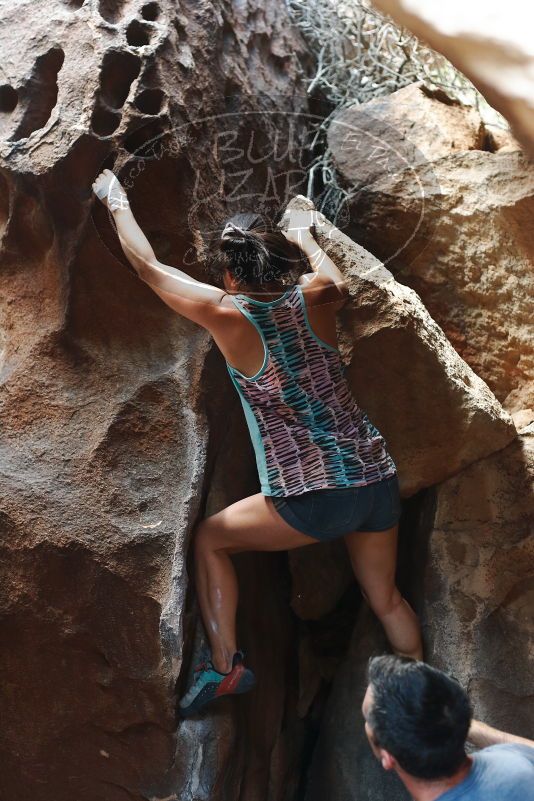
column 330, row 513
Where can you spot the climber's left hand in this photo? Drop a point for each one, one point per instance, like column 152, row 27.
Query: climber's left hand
column 109, row 190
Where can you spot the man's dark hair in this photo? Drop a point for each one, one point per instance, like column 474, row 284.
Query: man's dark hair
column 420, row 715
column 256, row 253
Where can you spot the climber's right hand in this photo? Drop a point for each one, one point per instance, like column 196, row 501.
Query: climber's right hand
column 300, row 225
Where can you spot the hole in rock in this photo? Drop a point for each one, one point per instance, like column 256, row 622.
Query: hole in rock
column 179, row 28
column 281, row 63
column 150, row 12
column 488, row 142
column 149, row 101
column 109, row 162
column 104, row 122
column 118, row 72
column 111, row 10
column 147, row 142
column 259, row 49
column 228, row 36
column 137, row 34
column 41, row 91
column 75, row 3
column 232, row 96
column 8, row 98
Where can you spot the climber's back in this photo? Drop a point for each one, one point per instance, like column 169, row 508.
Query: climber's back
column 307, row 430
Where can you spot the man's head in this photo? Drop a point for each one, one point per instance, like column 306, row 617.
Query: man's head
column 416, row 718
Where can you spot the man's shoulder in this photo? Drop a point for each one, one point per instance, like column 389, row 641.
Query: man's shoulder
column 503, row 750
column 504, row 772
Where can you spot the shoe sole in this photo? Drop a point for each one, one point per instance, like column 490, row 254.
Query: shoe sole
column 247, row 680
column 239, row 681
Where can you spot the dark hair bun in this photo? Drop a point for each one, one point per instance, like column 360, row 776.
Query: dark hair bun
column 234, row 236
column 254, row 252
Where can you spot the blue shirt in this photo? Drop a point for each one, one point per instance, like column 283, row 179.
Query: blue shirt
column 498, row 773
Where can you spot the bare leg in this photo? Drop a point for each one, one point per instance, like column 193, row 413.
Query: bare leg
column 373, row 555
column 251, row 524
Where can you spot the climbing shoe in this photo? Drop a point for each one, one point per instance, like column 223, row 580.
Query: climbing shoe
column 209, row 684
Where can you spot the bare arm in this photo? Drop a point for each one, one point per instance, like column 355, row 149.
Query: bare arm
column 139, row 253
column 482, row 735
column 183, row 293
column 321, row 264
column 299, row 232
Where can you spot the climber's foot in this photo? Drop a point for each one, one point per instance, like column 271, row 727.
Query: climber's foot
column 209, row 684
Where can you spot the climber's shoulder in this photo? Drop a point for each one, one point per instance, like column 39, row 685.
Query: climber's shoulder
column 319, row 289
column 200, row 302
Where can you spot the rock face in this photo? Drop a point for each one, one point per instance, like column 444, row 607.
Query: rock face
column 458, row 224
column 479, row 584
column 104, row 451
column 466, row 547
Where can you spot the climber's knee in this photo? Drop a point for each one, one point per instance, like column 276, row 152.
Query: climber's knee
column 207, row 537
column 383, row 601
column 203, row 539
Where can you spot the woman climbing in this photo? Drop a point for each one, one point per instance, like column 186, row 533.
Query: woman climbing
column 324, row 469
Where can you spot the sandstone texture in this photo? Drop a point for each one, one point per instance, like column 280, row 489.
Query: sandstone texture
column 478, row 608
column 105, row 450
column 448, row 205
column 445, row 202
column 466, row 556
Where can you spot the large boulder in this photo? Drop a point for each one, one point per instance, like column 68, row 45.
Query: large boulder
column 435, row 413
column 478, row 607
column 457, row 202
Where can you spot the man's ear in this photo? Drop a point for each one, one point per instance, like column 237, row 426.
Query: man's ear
column 388, row 762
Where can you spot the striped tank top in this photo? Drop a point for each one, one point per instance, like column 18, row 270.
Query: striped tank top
column 307, row 430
